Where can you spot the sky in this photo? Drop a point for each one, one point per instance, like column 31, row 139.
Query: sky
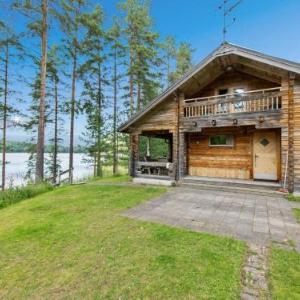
column 269, row 26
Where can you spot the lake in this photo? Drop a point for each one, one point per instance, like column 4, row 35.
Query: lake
column 16, row 167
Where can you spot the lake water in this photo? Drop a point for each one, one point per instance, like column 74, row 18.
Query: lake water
column 17, row 167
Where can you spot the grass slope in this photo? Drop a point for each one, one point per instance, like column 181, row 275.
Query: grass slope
column 73, row 243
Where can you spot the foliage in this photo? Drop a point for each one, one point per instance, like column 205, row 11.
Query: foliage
column 17, row 194
column 80, row 246
column 158, row 148
column 19, row 147
column 143, row 47
column 183, row 61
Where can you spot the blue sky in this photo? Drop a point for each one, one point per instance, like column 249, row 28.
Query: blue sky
column 270, row 26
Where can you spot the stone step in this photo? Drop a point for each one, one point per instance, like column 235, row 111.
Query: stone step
column 233, row 188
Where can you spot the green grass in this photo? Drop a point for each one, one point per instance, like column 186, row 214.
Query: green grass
column 284, row 274
column 72, row 243
column 291, row 197
column 17, row 194
column 297, row 214
column 285, row 271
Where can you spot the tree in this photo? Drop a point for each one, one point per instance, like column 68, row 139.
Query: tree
column 93, row 72
column 169, row 47
column 183, row 61
column 117, row 54
column 143, row 47
column 37, row 14
column 10, row 46
column 70, row 21
column 39, row 173
column 54, row 63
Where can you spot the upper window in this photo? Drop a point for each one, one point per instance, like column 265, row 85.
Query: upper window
column 223, row 91
column 221, row 140
column 239, row 91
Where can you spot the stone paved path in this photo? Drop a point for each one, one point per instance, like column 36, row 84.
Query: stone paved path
column 253, row 218
column 254, row 277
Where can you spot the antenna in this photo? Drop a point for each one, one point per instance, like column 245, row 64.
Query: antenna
column 226, row 11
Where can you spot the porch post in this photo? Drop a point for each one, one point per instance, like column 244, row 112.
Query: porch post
column 182, row 155
column 134, row 154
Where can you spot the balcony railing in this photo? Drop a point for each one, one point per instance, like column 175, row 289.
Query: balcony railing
column 246, row 102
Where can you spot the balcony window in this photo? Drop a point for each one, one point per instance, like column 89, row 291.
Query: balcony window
column 225, row 140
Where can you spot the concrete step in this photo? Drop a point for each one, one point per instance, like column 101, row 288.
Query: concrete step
column 233, row 188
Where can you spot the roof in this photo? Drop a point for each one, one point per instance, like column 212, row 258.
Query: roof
column 224, row 49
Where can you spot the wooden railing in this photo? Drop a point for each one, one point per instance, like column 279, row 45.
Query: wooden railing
column 154, row 168
column 247, row 102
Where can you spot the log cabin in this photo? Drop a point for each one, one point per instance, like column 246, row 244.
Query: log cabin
column 234, row 117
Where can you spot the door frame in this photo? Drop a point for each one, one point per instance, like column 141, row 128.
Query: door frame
column 278, row 151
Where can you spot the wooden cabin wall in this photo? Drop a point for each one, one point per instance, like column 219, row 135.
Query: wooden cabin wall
column 234, row 80
column 296, row 135
column 226, row 162
column 162, row 117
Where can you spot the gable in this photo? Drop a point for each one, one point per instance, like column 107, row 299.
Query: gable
column 225, row 58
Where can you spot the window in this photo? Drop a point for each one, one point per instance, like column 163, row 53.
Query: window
column 221, row 140
column 223, row 91
column 239, row 91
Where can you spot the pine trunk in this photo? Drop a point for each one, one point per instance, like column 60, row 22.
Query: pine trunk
column 131, row 84
column 4, row 118
column 55, row 133
column 99, row 129
column 39, row 173
column 138, row 95
column 72, row 117
column 115, row 149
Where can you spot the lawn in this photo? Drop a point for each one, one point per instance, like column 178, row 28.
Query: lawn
column 285, row 272
column 297, row 214
column 72, row 243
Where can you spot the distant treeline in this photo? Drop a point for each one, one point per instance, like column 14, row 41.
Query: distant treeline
column 17, row 147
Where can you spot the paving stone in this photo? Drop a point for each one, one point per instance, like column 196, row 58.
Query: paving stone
column 252, row 218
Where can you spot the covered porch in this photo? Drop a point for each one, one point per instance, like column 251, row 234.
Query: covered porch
column 153, row 155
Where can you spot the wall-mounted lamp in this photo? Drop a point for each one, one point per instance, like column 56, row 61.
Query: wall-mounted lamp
column 261, row 119
column 195, row 124
column 235, row 121
column 214, row 122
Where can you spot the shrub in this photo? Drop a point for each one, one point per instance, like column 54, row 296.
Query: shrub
column 17, row 194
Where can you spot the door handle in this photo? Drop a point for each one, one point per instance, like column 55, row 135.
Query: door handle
column 255, row 156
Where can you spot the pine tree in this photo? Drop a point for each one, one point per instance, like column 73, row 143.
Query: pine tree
column 95, row 79
column 144, row 60
column 169, row 48
column 10, row 47
column 117, row 54
column 183, row 61
column 37, row 14
column 70, row 20
column 53, row 74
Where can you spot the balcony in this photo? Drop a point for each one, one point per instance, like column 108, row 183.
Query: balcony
column 267, row 100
